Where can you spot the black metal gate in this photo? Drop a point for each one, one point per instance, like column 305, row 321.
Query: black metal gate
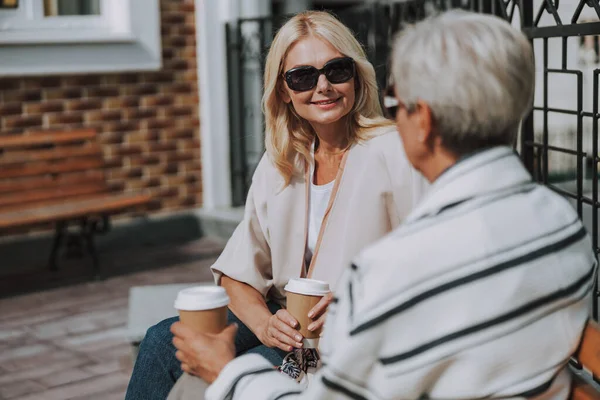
column 558, row 140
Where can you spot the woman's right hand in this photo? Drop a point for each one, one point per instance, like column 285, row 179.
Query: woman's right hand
column 280, row 332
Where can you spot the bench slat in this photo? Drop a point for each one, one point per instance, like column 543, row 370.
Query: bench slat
column 588, row 353
column 15, row 171
column 48, row 181
column 65, row 210
column 39, row 196
column 583, row 391
column 36, row 139
column 23, row 156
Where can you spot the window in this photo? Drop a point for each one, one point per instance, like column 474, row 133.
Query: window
column 54, row 8
column 107, row 36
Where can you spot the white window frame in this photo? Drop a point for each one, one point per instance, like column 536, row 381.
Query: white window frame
column 124, row 37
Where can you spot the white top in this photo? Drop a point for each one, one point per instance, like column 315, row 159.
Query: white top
column 319, row 196
column 469, row 298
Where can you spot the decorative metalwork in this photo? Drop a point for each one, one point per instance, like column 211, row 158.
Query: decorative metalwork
column 559, row 138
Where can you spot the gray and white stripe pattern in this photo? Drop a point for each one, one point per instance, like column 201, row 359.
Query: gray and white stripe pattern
column 482, row 293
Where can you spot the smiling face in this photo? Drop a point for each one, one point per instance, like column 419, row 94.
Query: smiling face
column 327, row 103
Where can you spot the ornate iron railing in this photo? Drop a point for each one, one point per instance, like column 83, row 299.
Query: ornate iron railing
column 558, row 140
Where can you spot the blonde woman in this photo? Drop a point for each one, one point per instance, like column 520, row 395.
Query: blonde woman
column 333, row 180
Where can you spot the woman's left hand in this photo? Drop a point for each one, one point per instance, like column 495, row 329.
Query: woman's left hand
column 204, row 355
column 319, row 311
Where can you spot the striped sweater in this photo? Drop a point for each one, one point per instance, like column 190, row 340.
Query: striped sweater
column 483, row 292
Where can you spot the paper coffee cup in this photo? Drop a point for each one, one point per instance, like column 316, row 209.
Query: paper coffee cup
column 203, row 308
column 302, row 295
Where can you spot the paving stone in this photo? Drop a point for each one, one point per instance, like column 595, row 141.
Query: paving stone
column 73, row 339
column 26, row 319
column 94, row 341
column 44, row 358
column 83, row 389
column 104, row 367
column 65, row 376
column 12, row 390
column 22, row 352
column 41, row 370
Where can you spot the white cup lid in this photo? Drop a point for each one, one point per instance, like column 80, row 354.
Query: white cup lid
column 201, row 298
column 309, row 287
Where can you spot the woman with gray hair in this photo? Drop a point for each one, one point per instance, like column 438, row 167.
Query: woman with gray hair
column 483, row 291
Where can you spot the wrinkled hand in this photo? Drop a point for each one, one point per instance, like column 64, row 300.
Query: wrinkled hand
column 280, row 332
column 319, row 311
column 204, row 355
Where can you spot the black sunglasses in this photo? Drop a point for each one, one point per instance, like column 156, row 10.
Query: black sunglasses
column 303, row 78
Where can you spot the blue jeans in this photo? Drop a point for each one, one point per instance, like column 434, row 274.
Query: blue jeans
column 156, row 369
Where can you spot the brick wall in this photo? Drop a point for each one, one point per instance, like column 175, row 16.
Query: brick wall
column 147, row 123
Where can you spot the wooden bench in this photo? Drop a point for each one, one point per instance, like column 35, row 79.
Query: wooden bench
column 588, row 356
column 58, row 178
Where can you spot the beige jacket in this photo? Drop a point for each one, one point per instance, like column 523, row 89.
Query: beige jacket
column 374, row 191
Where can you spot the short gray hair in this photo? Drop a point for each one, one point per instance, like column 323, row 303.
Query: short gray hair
column 475, row 72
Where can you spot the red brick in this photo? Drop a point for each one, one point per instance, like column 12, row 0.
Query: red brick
column 142, row 89
column 103, row 91
column 44, row 107
column 187, row 52
column 60, row 119
column 22, row 95
column 134, row 173
column 104, row 115
column 10, row 109
column 122, row 102
column 176, row 41
column 173, row 18
column 179, row 111
column 122, row 126
column 152, row 182
column 63, row 93
column 180, row 87
column 140, row 113
column 177, row 64
column 159, row 123
column 120, row 79
column 44, row 82
column 171, row 168
column 187, row 7
column 181, row 156
column 150, row 159
column 159, row 77
column 84, row 104
column 128, row 150
column 22, row 121
column 10, row 83
column 180, row 133
column 162, row 146
column 186, row 30
column 160, row 100
column 111, row 138
column 82, row 80
column 168, row 53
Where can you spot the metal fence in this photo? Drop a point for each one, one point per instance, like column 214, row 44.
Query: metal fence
column 558, row 140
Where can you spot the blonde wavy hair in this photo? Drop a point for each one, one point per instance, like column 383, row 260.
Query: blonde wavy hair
column 288, row 137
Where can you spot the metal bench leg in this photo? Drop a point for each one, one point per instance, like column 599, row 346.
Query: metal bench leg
column 94, row 254
column 59, row 234
column 89, row 228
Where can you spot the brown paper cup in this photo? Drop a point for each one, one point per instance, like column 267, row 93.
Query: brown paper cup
column 205, row 321
column 299, row 305
column 302, row 295
column 203, row 308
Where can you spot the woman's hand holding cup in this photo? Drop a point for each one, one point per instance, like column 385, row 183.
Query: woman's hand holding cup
column 319, row 312
column 280, row 331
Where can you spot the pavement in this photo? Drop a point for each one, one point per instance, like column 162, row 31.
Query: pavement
column 71, row 342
